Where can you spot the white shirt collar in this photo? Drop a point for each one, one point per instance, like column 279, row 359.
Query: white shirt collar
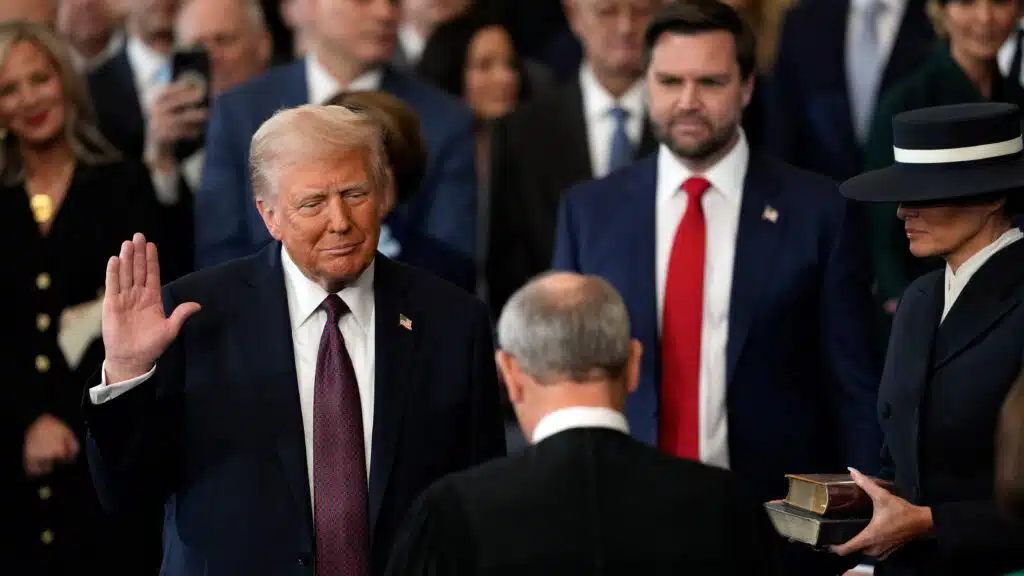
column 322, row 86
column 726, row 176
column 579, row 417
column 888, row 5
column 597, row 102
column 305, row 296
column 146, row 63
column 412, row 42
column 957, row 281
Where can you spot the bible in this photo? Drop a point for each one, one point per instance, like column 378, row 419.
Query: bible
column 831, row 495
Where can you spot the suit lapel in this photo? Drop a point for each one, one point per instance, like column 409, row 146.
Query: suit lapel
column 648, row 144
column 908, row 48
column 989, row 295
column 132, row 117
column 836, row 45
column 295, row 87
column 756, row 249
column 917, row 328
column 640, row 294
column 395, row 349
column 274, row 368
column 574, row 157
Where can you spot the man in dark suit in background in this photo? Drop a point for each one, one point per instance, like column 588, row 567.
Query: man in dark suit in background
column 586, row 498
column 836, row 58
column 352, row 41
column 747, row 280
column 311, row 366
column 584, row 130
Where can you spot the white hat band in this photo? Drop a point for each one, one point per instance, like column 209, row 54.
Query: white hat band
column 965, row 154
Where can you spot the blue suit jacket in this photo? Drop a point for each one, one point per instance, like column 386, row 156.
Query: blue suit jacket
column 802, row 379
column 808, row 121
column 227, row 223
column 216, row 436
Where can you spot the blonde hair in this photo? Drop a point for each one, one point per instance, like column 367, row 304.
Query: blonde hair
column 87, row 143
column 315, row 134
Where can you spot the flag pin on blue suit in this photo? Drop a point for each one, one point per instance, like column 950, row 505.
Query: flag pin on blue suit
column 770, row 214
column 404, row 322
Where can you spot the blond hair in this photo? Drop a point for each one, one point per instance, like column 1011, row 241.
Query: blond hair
column 315, row 134
column 87, row 143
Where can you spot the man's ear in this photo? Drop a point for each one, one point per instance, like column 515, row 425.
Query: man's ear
column 511, row 375
column 271, row 214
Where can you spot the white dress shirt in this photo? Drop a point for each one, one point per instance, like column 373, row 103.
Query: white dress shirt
column 323, row 86
column 597, row 105
column 412, row 44
column 307, row 325
column 957, row 281
column 579, row 417
column 721, row 205
column 151, row 71
column 888, row 28
column 1005, row 55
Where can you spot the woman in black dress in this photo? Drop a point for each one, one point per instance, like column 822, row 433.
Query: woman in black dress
column 67, row 200
column 956, row 345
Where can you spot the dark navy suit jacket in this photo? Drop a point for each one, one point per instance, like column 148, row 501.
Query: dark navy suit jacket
column 808, row 119
column 227, row 223
column 216, row 436
column 801, row 376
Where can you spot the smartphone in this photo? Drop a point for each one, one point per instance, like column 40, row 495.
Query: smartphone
column 192, row 65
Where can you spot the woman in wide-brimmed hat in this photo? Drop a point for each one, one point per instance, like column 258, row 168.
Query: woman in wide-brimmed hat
column 956, row 344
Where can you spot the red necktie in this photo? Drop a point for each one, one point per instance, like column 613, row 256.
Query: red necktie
column 340, row 499
column 679, row 406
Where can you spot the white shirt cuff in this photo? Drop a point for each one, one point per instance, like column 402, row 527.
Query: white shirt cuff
column 165, row 184
column 105, row 393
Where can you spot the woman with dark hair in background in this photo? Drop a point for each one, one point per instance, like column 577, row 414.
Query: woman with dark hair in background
column 67, row 199
column 473, row 57
column 407, row 153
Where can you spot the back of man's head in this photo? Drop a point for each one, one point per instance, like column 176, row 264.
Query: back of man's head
column 565, row 341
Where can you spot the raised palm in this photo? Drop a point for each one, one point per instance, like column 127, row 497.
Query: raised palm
column 135, row 330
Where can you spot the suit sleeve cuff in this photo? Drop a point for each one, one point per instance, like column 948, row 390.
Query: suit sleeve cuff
column 106, row 392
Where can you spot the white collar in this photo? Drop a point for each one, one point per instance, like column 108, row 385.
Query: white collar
column 413, row 43
column 322, row 86
column 726, row 176
column 306, row 296
column 579, row 417
column 967, row 270
column 893, row 6
column 146, row 63
column 597, row 102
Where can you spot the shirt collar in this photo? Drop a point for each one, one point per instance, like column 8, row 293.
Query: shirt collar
column 597, row 101
column 579, row 417
column 966, row 270
column 306, row 296
column 727, row 176
column 888, row 5
column 146, row 63
column 412, row 42
column 323, row 86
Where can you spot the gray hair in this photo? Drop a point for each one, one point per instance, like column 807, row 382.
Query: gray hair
column 254, row 15
column 315, row 134
column 567, row 325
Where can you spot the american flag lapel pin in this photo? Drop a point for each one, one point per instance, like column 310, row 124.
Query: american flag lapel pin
column 404, row 322
column 770, row 214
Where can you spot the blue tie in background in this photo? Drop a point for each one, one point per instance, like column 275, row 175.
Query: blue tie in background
column 621, row 149
column 865, row 69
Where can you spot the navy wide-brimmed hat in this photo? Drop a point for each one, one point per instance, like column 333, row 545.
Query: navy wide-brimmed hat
column 948, row 153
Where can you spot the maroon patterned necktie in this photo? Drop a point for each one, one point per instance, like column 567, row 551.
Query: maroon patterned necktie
column 340, row 499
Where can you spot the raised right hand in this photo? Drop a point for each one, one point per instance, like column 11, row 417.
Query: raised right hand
column 135, row 330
